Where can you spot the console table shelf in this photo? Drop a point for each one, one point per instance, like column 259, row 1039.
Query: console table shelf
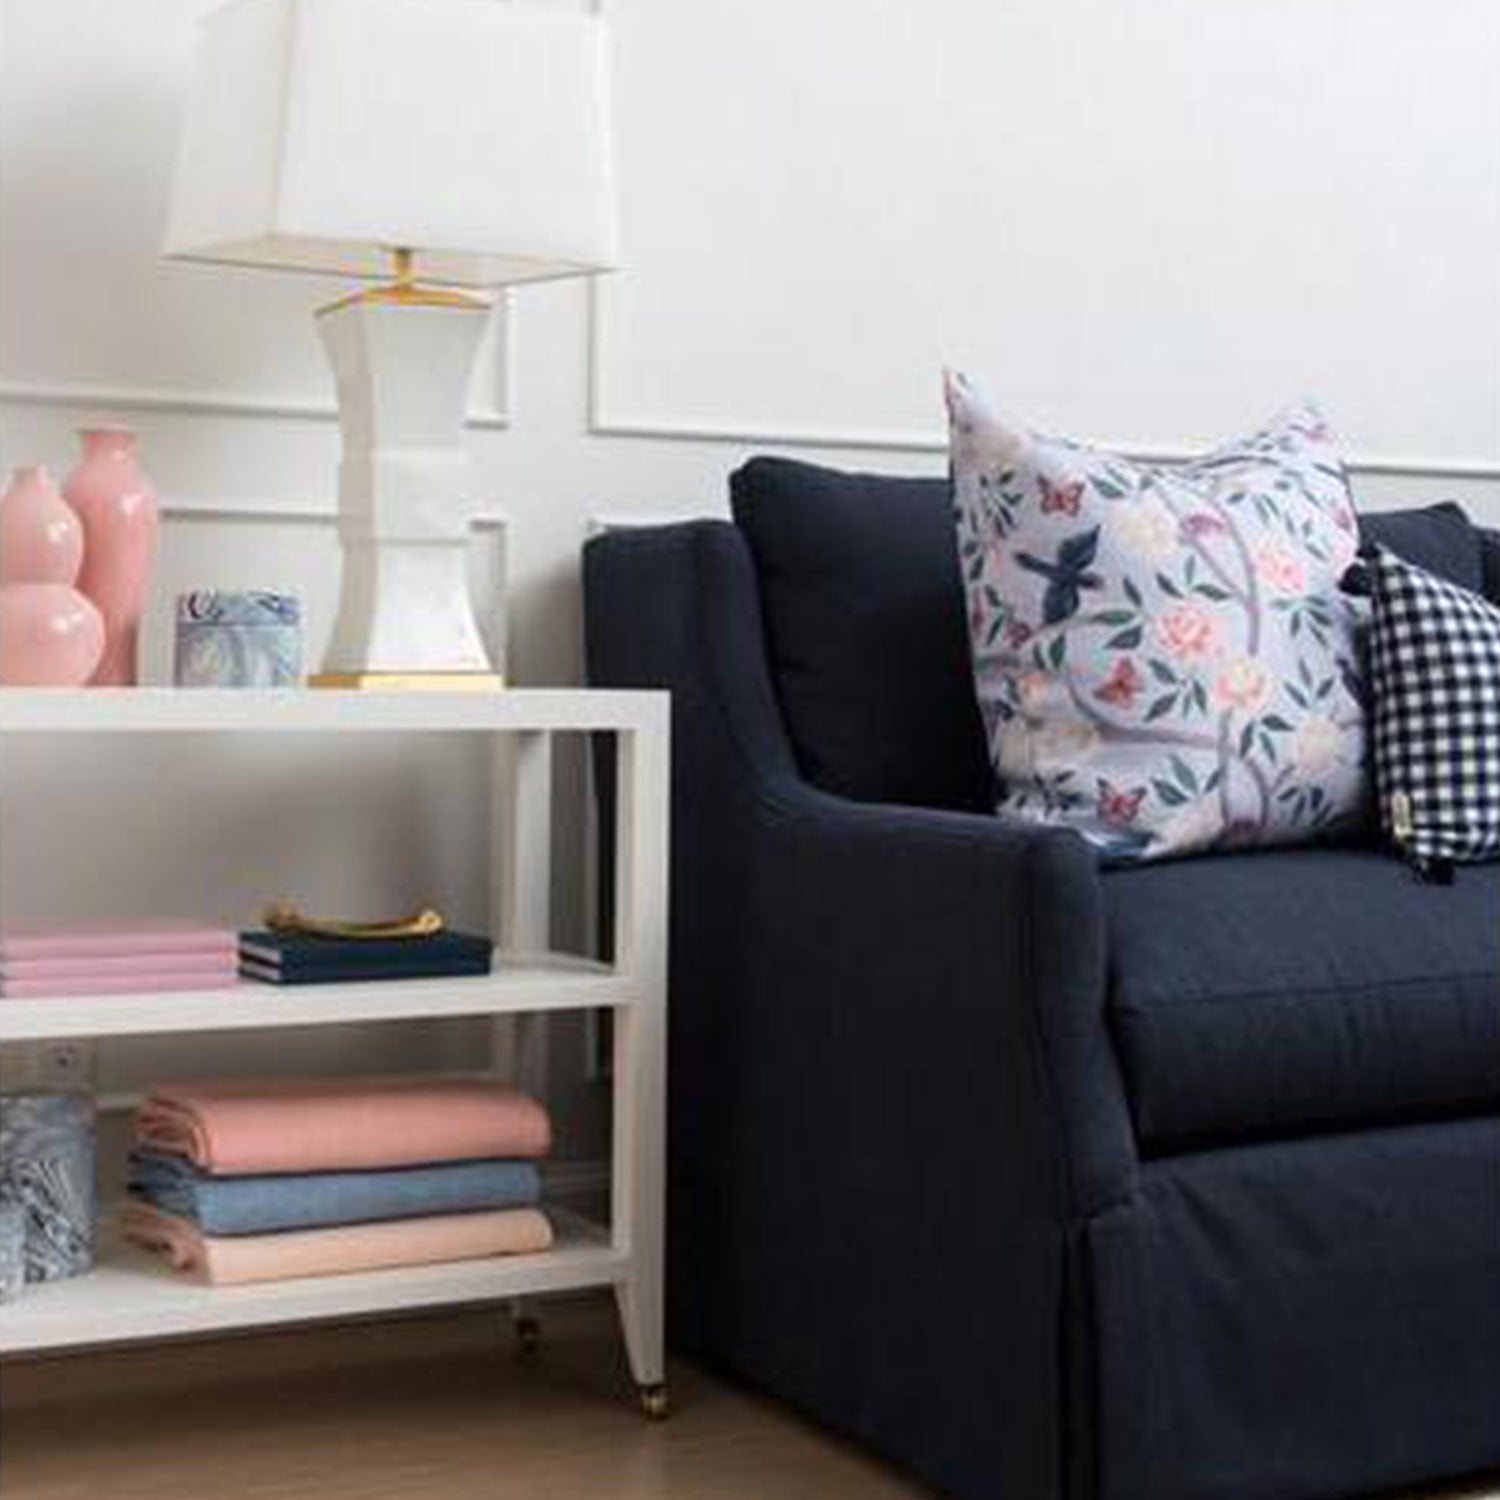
column 131, row 1296
column 269, row 711
column 519, row 986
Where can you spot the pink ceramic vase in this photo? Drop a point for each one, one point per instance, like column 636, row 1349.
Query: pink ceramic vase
column 41, row 539
column 117, row 505
column 50, row 636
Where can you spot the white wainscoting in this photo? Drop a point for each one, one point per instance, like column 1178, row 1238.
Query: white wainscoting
column 1097, row 208
column 489, row 406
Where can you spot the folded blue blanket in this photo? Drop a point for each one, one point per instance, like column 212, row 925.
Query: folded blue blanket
column 306, row 1200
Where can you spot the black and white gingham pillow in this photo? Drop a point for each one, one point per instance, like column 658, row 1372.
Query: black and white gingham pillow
column 1435, row 713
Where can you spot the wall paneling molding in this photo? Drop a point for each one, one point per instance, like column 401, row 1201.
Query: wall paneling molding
column 493, row 414
column 606, row 419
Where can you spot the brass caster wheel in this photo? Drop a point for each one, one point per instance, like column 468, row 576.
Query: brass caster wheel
column 656, row 1403
column 528, row 1334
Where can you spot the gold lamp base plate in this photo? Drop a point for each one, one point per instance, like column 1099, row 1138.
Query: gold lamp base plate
column 416, row 682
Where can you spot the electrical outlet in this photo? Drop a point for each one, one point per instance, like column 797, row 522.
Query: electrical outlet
column 62, row 1066
column 68, row 1065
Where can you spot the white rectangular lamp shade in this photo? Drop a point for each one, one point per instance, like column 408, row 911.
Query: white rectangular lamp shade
column 321, row 134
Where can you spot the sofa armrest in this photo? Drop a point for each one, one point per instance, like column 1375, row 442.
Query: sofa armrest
column 958, row 962
column 897, row 938
column 893, row 1098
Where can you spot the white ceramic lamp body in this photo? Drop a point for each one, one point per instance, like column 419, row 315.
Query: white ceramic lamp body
column 321, row 135
column 405, row 497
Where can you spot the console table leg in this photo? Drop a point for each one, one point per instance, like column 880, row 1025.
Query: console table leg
column 641, row 1324
column 638, row 1180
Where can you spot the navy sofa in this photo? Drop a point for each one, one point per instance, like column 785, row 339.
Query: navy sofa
column 1043, row 1180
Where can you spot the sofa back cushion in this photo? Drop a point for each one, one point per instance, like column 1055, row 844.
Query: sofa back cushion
column 865, row 626
column 1439, row 538
column 865, row 631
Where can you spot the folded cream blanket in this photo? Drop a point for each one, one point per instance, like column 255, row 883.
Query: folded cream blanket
column 328, row 1125
column 238, row 1259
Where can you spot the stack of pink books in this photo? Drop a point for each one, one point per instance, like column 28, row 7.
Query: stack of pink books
column 129, row 958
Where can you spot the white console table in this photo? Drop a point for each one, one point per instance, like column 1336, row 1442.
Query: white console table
column 131, row 1296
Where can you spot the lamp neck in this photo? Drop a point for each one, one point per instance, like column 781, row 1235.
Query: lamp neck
column 407, row 291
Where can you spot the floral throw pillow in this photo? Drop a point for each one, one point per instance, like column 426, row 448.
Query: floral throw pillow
column 1163, row 657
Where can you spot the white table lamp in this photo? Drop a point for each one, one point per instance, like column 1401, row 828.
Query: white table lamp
column 462, row 141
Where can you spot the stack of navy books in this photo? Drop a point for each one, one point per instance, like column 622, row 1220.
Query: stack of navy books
column 299, row 958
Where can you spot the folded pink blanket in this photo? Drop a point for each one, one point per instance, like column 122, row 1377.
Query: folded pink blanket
column 147, row 938
column 121, row 966
column 146, row 982
column 330, row 1125
column 237, row 1259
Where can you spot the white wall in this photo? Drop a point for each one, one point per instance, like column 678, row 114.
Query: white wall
column 1148, row 222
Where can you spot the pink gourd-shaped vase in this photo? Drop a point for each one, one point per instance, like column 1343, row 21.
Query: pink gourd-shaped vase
column 41, row 539
column 117, row 506
column 50, row 636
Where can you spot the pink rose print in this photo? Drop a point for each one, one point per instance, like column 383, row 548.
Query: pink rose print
column 1281, row 569
column 1244, row 685
column 1188, row 631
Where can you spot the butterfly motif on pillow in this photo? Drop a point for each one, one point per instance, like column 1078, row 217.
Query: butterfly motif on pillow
column 1117, row 807
column 1067, row 574
column 1062, row 499
column 1122, row 686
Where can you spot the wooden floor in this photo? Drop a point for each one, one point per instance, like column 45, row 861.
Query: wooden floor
column 440, row 1408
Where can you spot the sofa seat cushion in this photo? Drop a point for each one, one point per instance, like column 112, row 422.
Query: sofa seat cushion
column 1292, row 990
